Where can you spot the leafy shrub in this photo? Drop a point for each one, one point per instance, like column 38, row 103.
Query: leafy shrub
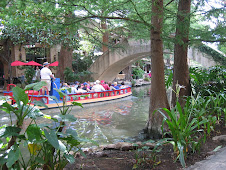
column 137, row 73
column 133, row 82
column 69, row 75
column 83, row 76
column 147, row 79
column 203, row 80
column 29, row 73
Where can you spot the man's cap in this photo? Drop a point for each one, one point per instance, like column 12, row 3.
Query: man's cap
column 98, row 81
column 45, row 63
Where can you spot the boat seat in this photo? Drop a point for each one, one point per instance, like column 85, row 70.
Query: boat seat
column 39, row 97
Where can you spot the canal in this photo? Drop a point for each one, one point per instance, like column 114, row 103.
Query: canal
column 107, row 122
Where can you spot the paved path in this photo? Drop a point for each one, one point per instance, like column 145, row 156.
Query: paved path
column 213, row 162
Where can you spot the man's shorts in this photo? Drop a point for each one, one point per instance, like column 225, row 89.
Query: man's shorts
column 48, row 83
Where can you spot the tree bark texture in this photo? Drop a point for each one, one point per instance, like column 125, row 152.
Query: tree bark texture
column 65, row 60
column 105, row 35
column 180, row 71
column 158, row 98
column 6, row 60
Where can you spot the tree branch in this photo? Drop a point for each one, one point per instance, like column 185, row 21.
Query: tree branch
column 139, row 14
column 219, row 40
column 169, row 3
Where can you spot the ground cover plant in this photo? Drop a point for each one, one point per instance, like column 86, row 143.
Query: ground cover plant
column 190, row 125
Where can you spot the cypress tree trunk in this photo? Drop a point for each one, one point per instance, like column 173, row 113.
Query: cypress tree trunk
column 105, row 35
column 158, row 98
column 65, row 60
column 180, row 71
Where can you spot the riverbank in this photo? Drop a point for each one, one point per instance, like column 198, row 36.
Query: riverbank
column 111, row 158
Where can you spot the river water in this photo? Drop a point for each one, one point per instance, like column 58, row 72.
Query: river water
column 107, row 122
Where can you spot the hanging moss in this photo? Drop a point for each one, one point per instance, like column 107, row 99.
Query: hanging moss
column 217, row 57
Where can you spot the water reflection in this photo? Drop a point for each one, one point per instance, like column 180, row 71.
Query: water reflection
column 108, row 122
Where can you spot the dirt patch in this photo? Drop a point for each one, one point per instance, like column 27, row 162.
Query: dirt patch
column 164, row 160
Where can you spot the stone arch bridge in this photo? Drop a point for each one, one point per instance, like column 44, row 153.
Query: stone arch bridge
column 107, row 66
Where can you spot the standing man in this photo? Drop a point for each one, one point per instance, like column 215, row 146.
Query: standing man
column 46, row 75
column 37, row 73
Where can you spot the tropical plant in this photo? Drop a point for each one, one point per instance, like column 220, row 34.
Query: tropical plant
column 20, row 109
column 183, row 129
column 49, row 147
column 168, row 78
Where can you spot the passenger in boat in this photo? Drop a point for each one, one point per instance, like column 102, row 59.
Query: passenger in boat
column 91, row 86
column 80, row 90
column 46, row 75
column 65, row 85
column 85, row 87
column 73, row 89
column 110, row 86
column 76, row 84
column 98, row 87
column 123, row 85
column 105, row 85
column 88, row 84
column 116, row 85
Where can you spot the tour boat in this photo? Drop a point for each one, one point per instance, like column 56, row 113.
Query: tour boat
column 84, row 98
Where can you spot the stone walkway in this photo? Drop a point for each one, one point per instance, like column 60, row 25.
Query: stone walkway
column 213, row 162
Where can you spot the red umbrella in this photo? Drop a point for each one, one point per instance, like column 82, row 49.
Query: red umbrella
column 17, row 63
column 32, row 63
column 54, row 63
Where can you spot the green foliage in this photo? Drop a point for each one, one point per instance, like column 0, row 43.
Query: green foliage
column 147, row 157
column 218, row 57
column 81, row 62
column 190, row 125
column 222, row 47
column 29, row 74
column 203, row 80
column 168, row 78
column 183, row 128
column 137, row 73
column 84, row 76
column 71, row 76
column 47, row 146
column 147, row 79
column 133, row 82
